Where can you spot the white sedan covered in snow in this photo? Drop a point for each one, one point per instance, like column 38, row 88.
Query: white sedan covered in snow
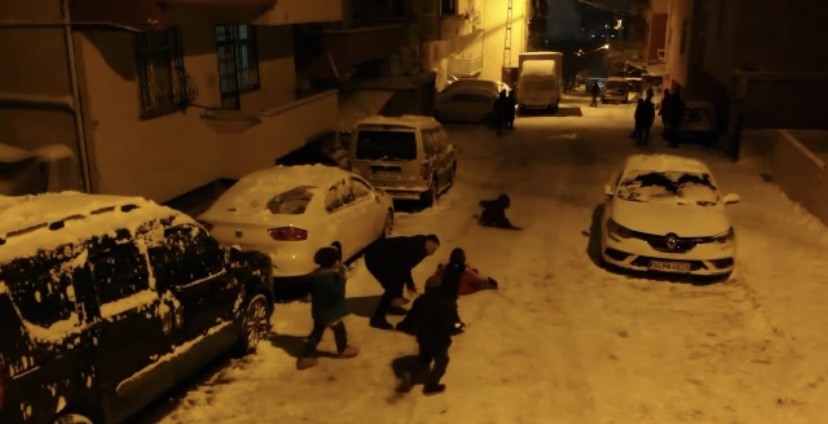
column 665, row 213
column 289, row 212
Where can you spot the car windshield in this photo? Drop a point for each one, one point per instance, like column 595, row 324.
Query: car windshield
column 386, row 145
column 678, row 187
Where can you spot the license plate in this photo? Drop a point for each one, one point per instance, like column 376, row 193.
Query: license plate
column 387, row 175
column 670, row 266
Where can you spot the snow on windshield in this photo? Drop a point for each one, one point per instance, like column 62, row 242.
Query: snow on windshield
column 682, row 187
column 247, row 196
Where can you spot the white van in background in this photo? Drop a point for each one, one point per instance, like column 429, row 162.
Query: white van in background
column 540, row 83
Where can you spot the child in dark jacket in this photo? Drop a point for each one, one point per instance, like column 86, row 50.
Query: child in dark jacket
column 328, row 307
column 433, row 315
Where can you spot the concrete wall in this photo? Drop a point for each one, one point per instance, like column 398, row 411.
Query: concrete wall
column 34, row 67
column 801, row 174
column 163, row 157
column 494, row 35
column 679, row 16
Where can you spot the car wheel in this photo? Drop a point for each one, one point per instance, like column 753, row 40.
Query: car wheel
column 72, row 419
column 388, row 228
column 255, row 323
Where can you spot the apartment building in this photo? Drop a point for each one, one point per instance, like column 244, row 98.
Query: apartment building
column 158, row 98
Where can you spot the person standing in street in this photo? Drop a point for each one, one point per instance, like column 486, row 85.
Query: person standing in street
column 647, row 119
column 390, row 261
column 499, row 109
column 637, row 116
column 511, row 103
column 596, row 91
column 328, row 307
column 436, row 316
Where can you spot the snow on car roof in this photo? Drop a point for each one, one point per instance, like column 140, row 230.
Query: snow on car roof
column 25, row 220
column 412, row 121
column 662, row 163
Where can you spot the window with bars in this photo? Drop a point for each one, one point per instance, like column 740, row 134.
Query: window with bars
column 238, row 61
column 163, row 82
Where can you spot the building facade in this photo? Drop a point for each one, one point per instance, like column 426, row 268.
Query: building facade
column 160, row 98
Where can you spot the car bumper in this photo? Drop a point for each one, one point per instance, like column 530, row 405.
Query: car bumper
column 405, row 193
column 709, row 259
column 287, row 261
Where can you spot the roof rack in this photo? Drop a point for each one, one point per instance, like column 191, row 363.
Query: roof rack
column 57, row 225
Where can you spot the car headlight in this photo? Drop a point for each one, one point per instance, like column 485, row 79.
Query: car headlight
column 727, row 237
column 618, row 229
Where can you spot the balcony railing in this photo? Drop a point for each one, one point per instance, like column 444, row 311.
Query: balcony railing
column 466, row 67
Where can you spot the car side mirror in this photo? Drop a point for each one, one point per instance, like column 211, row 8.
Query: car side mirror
column 608, row 190
column 731, row 198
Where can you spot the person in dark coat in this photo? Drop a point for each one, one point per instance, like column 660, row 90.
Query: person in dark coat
column 637, row 116
column 666, row 110
column 328, row 307
column 499, row 109
column 436, row 314
column 647, row 119
column 675, row 116
column 511, row 103
column 494, row 213
column 390, row 261
column 596, row 91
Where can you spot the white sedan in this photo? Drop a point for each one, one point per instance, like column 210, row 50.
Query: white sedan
column 665, row 213
column 289, row 212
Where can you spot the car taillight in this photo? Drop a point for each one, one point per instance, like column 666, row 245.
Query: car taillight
column 207, row 226
column 424, row 172
column 288, row 234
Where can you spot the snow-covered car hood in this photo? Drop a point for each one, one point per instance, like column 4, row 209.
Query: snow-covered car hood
column 689, row 220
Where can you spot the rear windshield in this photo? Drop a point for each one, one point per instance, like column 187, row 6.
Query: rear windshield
column 291, row 202
column 252, row 197
column 386, row 145
column 617, row 85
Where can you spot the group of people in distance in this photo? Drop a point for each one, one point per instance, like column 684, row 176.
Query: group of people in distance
column 434, row 315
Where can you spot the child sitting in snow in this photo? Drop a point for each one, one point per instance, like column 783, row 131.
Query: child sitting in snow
column 494, row 213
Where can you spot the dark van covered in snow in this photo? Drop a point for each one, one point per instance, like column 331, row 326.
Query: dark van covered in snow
column 107, row 302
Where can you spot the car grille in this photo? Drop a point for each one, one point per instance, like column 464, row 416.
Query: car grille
column 671, row 242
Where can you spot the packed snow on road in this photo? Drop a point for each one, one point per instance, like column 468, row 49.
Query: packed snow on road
column 563, row 340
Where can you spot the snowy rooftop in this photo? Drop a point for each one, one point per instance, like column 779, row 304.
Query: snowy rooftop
column 80, row 212
column 411, row 121
column 664, row 162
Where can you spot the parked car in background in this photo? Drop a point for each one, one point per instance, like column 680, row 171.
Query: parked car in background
column 326, row 149
column 107, row 302
column 471, row 104
column 410, row 156
column 290, row 212
column 636, row 89
column 665, row 213
column 472, row 83
column 698, row 123
column 616, row 90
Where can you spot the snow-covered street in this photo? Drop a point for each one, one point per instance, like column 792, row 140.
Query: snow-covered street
column 563, row 340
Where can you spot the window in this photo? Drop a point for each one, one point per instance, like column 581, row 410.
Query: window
column 163, row 82
column 187, row 254
column 40, row 286
column 339, row 195
column 472, row 98
column 386, row 145
column 360, row 188
column 238, row 61
column 448, row 7
column 683, row 41
column 118, row 272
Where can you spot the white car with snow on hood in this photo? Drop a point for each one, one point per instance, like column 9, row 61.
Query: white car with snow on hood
column 290, row 212
column 665, row 213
